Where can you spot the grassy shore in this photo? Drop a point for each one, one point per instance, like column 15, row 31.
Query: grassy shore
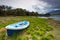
column 39, row 29
column 56, row 25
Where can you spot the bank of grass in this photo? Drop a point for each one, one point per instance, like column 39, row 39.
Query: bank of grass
column 56, row 25
column 37, row 30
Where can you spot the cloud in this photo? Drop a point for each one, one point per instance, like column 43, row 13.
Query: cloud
column 25, row 4
column 54, row 3
column 45, row 6
column 41, row 6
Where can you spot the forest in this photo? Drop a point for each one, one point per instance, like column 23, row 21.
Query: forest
column 9, row 11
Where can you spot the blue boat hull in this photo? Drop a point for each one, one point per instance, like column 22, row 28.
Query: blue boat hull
column 16, row 27
column 10, row 32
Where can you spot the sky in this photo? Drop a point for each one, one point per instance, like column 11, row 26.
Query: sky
column 41, row 6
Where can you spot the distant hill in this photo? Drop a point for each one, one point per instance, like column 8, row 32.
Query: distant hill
column 55, row 12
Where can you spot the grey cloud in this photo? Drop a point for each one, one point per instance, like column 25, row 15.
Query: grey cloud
column 54, row 3
column 51, row 5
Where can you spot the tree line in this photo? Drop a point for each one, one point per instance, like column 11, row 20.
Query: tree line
column 8, row 11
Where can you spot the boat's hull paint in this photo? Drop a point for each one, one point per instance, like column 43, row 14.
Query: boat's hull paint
column 10, row 32
column 12, row 29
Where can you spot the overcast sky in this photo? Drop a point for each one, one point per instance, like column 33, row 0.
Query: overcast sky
column 41, row 6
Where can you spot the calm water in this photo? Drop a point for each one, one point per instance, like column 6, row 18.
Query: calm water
column 54, row 17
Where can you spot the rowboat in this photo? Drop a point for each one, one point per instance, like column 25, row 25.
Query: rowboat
column 16, row 27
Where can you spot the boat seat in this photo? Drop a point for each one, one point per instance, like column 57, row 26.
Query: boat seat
column 16, row 26
column 21, row 24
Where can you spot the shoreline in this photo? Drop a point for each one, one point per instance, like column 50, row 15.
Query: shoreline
column 39, row 25
column 56, row 25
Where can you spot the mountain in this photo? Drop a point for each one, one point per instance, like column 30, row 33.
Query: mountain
column 55, row 12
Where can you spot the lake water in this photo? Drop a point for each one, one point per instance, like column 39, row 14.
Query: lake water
column 54, row 17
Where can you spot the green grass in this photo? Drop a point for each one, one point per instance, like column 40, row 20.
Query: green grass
column 47, row 37
column 56, row 26
column 37, row 29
